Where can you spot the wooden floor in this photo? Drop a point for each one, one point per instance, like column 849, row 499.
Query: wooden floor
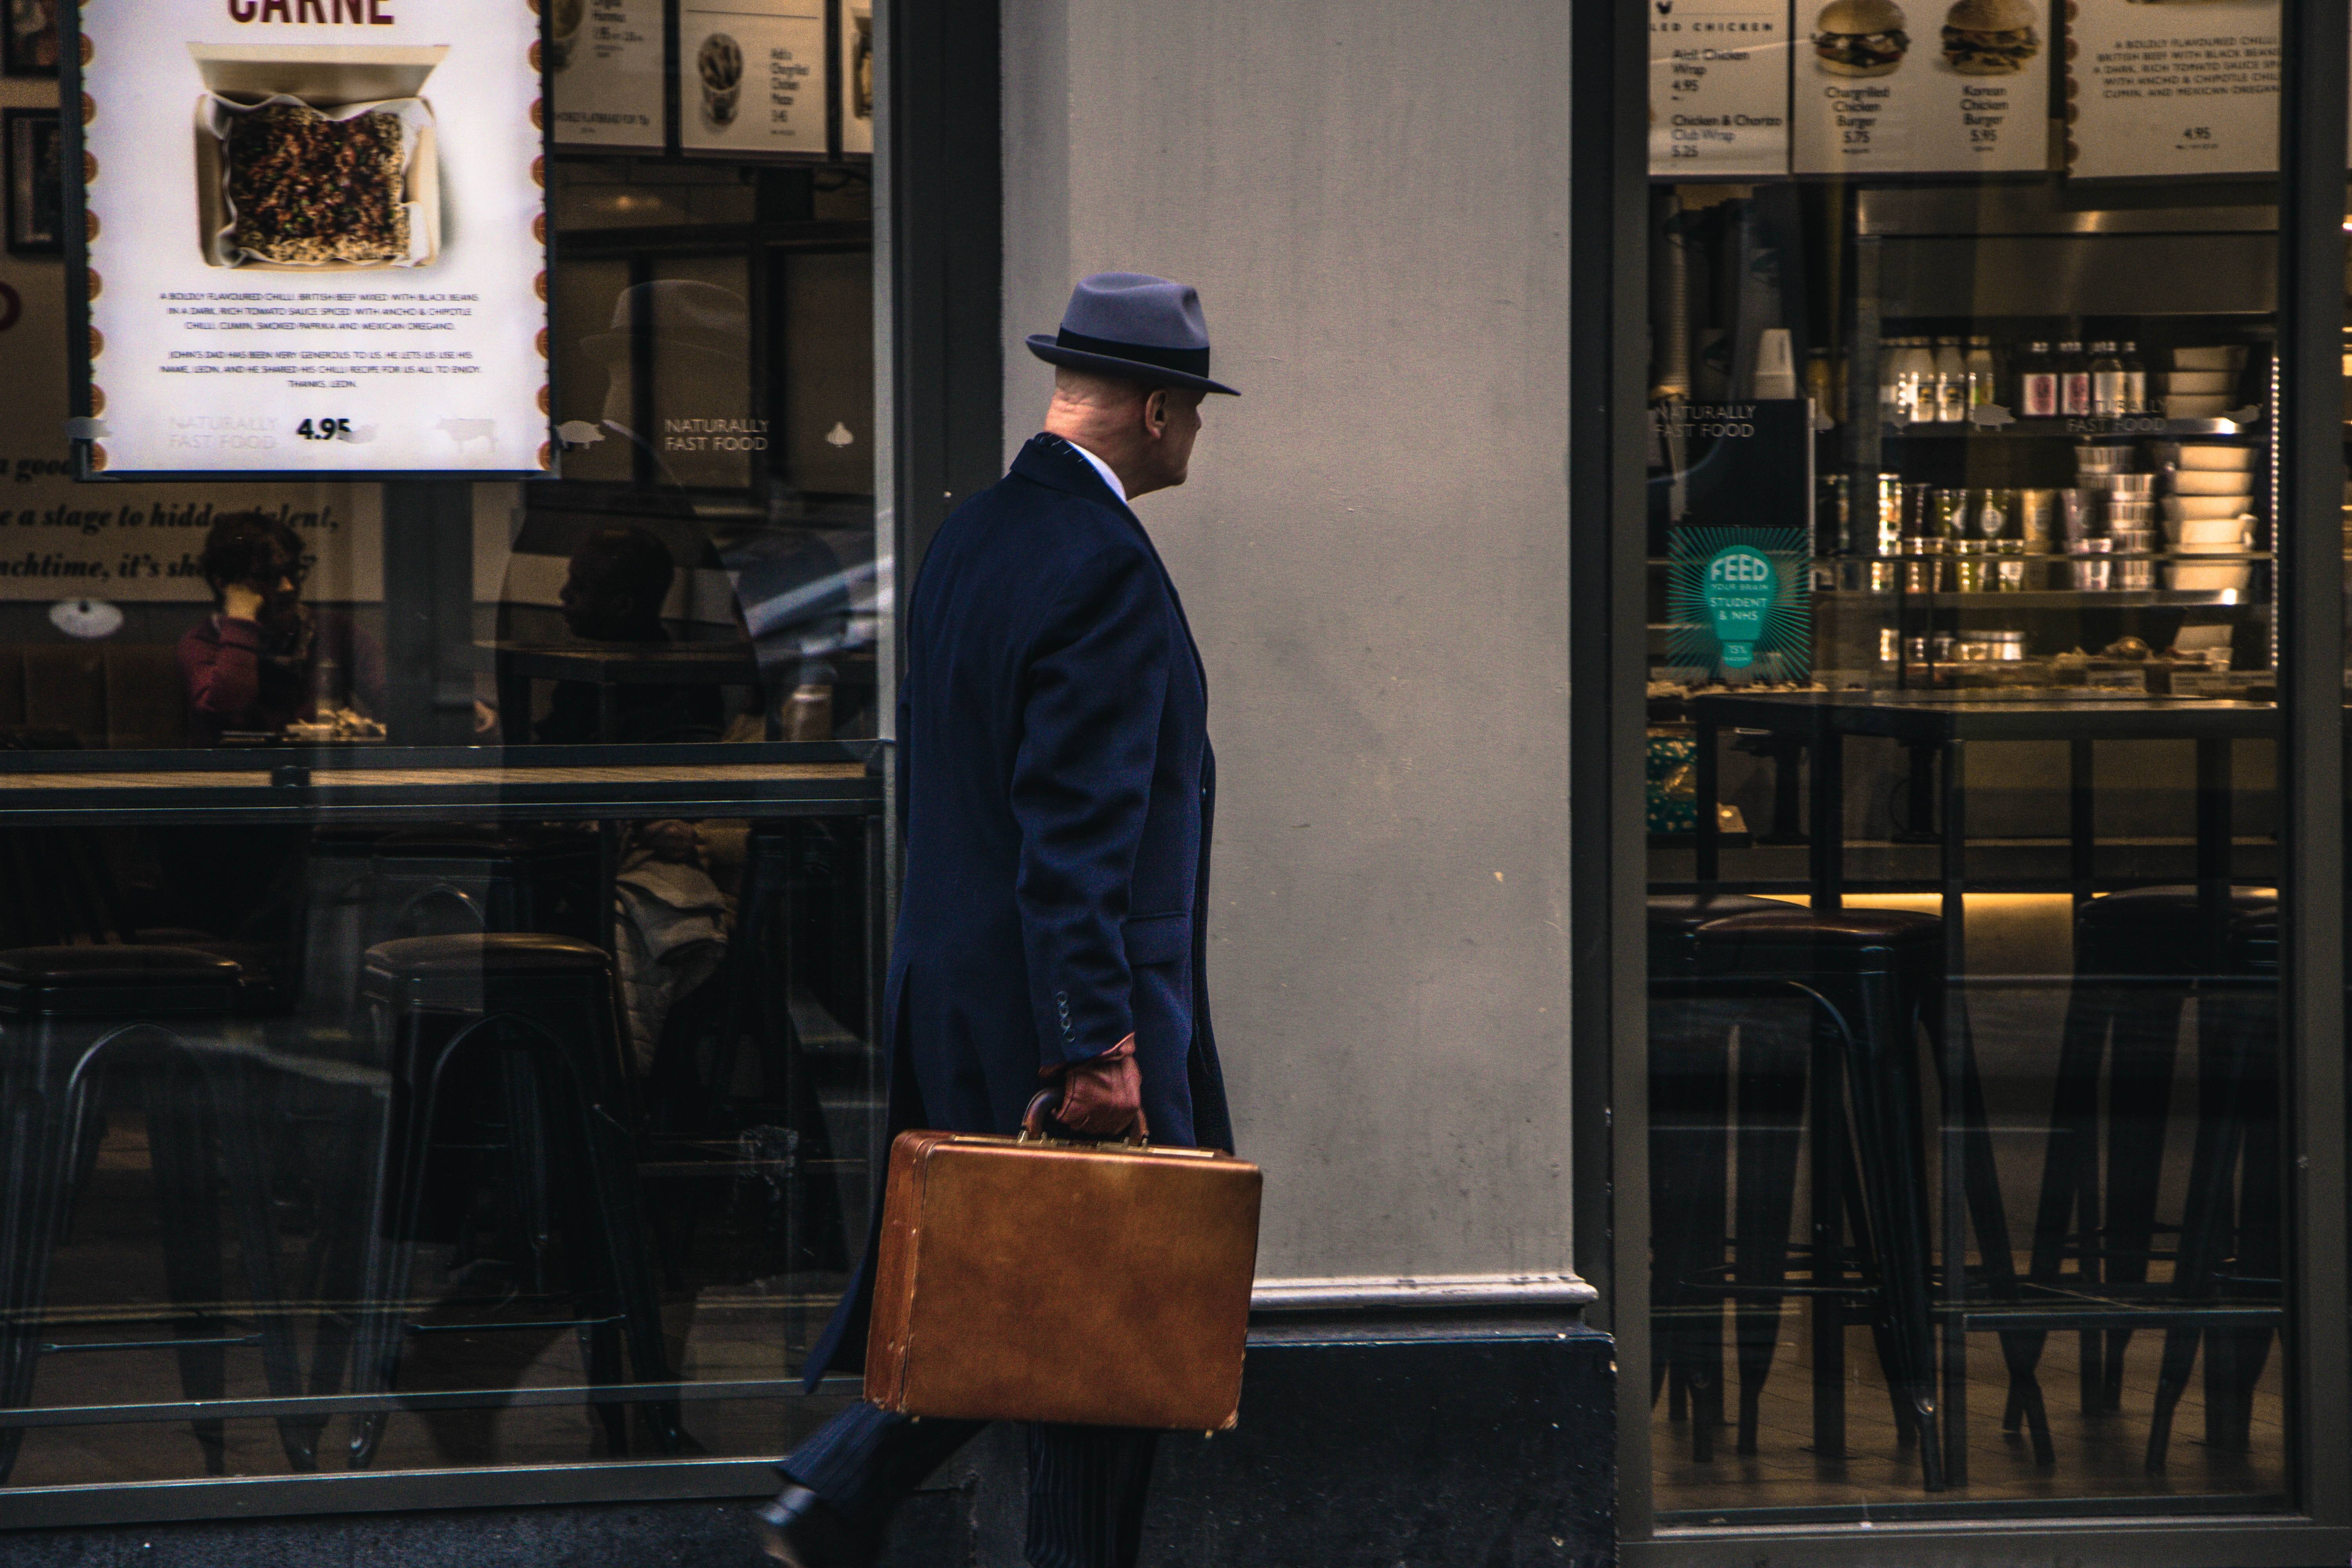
column 2099, row 1458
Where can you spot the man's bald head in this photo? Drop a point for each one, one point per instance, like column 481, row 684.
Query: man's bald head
column 1143, row 432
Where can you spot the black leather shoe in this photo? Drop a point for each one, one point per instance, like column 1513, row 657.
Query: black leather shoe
column 801, row 1529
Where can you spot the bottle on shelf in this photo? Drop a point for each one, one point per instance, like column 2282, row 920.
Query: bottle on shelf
column 1821, row 379
column 1980, row 371
column 2134, row 380
column 2074, row 380
column 1911, row 373
column 2037, row 384
column 2109, row 398
column 1951, row 381
column 1890, row 372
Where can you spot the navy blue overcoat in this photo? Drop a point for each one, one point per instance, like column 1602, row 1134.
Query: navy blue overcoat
column 1054, row 770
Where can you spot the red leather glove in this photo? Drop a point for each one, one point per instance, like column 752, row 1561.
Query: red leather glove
column 1103, row 1096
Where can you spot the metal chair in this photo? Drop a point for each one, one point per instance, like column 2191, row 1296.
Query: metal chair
column 2140, row 955
column 536, row 1017
column 1689, row 1089
column 1875, row 982
column 76, row 1023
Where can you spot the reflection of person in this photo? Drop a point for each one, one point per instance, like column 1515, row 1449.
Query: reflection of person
column 264, row 659
column 613, row 593
column 699, row 332
column 1055, row 764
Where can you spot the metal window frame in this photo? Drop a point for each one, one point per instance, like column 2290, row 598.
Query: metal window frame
column 939, row 255
column 1607, row 268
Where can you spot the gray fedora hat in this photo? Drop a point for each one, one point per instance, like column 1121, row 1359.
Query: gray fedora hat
column 1135, row 325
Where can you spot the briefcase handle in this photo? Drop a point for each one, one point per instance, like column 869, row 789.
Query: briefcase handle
column 1041, row 1105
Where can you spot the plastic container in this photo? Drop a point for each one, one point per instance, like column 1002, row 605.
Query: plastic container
column 2103, row 459
column 2230, row 357
column 2216, row 382
column 2214, row 459
column 2205, row 509
column 2207, row 482
column 2196, row 406
column 2209, row 578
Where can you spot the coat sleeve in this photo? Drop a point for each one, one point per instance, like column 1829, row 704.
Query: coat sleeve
column 1096, row 683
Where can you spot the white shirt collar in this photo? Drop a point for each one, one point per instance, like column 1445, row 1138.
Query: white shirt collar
column 1103, row 469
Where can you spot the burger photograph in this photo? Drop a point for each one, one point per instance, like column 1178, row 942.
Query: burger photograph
column 1859, row 37
column 1990, row 37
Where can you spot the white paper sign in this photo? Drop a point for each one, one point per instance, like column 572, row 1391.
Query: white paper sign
column 2173, row 89
column 315, row 237
column 751, row 76
column 604, row 76
column 1719, row 87
column 1921, row 88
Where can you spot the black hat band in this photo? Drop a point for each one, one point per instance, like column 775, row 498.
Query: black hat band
column 1185, row 362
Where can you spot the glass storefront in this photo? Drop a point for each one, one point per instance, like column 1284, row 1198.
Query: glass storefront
column 440, row 923
column 1972, row 763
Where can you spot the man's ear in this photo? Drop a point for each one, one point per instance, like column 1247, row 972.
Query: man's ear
column 1155, row 412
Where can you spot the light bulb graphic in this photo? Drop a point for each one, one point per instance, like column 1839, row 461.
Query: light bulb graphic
column 1739, row 589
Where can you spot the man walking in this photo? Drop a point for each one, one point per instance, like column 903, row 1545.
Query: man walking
column 1055, row 768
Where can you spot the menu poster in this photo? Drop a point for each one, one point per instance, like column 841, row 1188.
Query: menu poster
column 752, row 76
column 84, row 548
column 1923, row 88
column 314, row 238
column 857, row 75
column 1719, row 87
column 605, row 72
column 2173, row 88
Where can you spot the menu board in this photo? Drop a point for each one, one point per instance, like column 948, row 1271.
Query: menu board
column 2158, row 89
column 752, row 76
column 1926, row 89
column 605, row 72
column 1719, row 87
column 314, row 238
column 81, row 548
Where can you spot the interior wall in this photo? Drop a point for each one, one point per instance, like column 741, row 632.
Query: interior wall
column 1373, row 551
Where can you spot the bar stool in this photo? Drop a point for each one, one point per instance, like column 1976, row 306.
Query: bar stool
column 541, row 1013
column 2228, row 1283
column 1689, row 1087
column 499, row 879
column 1875, row 979
column 2139, row 956
column 71, row 1019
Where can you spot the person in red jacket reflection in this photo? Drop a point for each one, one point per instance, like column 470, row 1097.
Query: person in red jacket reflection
column 264, row 659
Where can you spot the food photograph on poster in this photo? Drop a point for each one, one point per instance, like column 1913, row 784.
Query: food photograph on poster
column 29, row 46
column 358, row 284
column 1934, row 89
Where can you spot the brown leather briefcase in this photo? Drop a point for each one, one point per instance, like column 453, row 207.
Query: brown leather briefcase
column 1035, row 1280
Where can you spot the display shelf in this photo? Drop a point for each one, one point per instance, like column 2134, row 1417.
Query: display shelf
column 2075, row 429
column 2061, row 598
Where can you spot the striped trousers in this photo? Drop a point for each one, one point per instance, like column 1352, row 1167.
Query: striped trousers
column 1086, row 1484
